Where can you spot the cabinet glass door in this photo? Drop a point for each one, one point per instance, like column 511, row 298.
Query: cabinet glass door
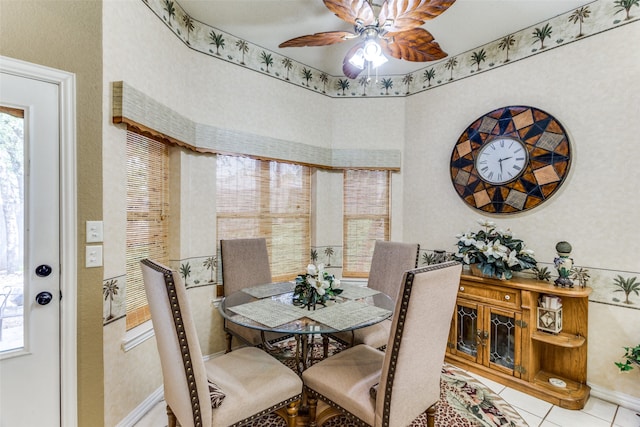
column 504, row 341
column 503, row 335
column 467, row 329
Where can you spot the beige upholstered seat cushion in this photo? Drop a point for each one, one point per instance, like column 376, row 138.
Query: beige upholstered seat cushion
column 346, row 378
column 251, row 336
column 375, row 336
column 250, row 378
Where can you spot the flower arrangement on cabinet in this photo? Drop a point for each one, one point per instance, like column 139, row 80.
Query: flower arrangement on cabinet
column 496, row 252
column 316, row 286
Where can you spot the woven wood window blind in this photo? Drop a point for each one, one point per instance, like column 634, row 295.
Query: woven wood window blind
column 269, row 199
column 366, row 218
column 147, row 217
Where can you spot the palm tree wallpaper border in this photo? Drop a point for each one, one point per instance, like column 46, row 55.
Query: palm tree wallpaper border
column 619, row 288
column 572, row 26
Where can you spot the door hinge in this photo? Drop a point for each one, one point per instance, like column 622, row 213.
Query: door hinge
column 520, row 369
column 521, row 323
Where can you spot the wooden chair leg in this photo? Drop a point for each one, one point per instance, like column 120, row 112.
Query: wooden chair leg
column 431, row 415
column 312, row 402
column 171, row 418
column 292, row 413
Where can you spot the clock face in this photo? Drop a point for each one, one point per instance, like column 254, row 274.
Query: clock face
column 510, row 160
column 501, row 160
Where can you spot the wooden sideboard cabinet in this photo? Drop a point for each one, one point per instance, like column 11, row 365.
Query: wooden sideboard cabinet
column 494, row 333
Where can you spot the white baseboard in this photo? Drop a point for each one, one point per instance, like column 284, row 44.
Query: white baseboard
column 142, row 409
column 151, row 401
column 622, row 399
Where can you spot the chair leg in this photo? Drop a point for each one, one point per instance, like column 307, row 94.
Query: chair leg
column 292, row 413
column 171, row 418
column 229, row 339
column 325, row 346
column 312, row 402
column 431, row 415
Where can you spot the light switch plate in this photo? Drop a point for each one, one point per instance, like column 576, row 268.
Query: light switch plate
column 93, row 256
column 95, row 232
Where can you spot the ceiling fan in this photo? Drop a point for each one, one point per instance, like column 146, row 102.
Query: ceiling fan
column 396, row 32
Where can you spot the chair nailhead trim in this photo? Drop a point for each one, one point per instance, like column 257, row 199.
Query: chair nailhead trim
column 179, row 325
column 359, row 422
column 397, row 339
column 266, row 411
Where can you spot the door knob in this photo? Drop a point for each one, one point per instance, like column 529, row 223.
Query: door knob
column 43, row 270
column 44, row 298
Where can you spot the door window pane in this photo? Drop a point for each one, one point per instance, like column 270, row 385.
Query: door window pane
column 11, row 229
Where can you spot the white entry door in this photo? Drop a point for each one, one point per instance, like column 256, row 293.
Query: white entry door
column 29, row 252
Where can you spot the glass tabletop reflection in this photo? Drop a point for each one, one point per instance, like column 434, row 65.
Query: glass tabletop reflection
column 358, row 308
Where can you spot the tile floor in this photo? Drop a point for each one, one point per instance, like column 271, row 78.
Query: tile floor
column 536, row 412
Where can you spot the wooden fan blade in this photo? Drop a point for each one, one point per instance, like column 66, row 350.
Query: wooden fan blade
column 352, row 11
column 349, row 70
column 407, row 14
column 414, row 45
column 318, row 39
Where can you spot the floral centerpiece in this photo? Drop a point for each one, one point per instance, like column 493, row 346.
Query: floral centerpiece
column 316, row 286
column 497, row 253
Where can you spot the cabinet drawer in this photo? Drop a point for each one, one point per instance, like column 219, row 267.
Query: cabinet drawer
column 504, row 297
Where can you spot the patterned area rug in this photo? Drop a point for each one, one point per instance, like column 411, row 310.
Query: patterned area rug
column 464, row 401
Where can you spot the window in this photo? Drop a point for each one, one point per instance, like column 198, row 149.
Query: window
column 366, row 218
column 257, row 198
column 147, row 217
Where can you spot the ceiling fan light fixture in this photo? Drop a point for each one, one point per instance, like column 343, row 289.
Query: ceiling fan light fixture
column 372, row 53
column 371, row 50
column 357, row 60
column 379, row 60
column 397, row 22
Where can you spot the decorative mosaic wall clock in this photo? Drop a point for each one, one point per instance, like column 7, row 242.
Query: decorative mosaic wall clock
column 510, row 160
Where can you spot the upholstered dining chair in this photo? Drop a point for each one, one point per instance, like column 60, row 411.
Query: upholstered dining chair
column 392, row 388
column 389, row 262
column 245, row 263
column 229, row 390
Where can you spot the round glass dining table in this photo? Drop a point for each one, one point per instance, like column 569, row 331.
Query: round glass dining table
column 358, row 308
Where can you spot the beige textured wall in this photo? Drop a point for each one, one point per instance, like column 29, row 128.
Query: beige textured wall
column 67, row 35
column 139, row 50
column 587, row 85
column 592, row 88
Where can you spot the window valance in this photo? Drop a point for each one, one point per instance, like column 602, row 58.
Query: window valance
column 144, row 115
